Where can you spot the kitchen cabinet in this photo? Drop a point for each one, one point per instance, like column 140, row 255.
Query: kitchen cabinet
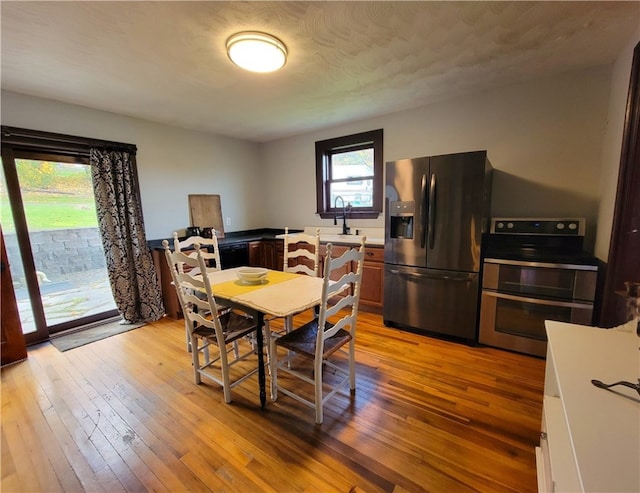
column 279, row 254
column 169, row 297
column 590, row 436
column 371, row 291
column 262, row 253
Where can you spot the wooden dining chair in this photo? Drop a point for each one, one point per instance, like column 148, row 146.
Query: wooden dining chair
column 320, row 339
column 301, row 253
column 209, row 251
column 208, row 326
column 208, row 248
column 301, row 256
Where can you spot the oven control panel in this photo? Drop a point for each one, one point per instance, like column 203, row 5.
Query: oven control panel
column 548, row 227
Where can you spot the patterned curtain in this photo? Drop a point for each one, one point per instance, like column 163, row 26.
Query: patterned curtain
column 133, row 277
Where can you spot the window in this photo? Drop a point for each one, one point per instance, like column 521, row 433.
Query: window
column 350, row 168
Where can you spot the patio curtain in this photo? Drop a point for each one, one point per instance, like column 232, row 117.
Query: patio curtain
column 129, row 264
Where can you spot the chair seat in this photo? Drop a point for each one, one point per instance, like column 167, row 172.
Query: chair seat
column 234, row 326
column 303, row 340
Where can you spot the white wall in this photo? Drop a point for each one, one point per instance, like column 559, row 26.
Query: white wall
column 612, row 145
column 544, row 139
column 172, row 162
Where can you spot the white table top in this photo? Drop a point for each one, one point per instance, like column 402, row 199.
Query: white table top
column 604, row 425
column 280, row 299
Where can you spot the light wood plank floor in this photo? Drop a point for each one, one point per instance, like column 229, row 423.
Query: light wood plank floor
column 123, row 414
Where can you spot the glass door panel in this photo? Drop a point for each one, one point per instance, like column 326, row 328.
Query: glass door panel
column 70, row 271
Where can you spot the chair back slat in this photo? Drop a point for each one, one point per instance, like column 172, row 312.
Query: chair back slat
column 346, row 307
column 208, row 248
column 301, row 247
column 193, row 289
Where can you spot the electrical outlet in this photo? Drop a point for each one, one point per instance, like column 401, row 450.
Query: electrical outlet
column 228, row 221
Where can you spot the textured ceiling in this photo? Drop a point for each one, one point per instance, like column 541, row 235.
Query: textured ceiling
column 165, row 61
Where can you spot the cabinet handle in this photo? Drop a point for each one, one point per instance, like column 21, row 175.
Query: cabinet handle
column 370, row 254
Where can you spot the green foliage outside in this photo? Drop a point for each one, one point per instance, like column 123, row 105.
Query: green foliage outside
column 54, row 196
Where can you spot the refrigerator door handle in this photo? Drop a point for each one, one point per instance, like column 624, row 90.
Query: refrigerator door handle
column 435, row 277
column 432, row 211
column 423, row 211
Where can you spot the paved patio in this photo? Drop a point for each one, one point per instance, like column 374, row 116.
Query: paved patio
column 69, row 297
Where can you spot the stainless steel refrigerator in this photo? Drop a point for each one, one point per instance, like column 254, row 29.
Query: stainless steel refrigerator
column 436, row 212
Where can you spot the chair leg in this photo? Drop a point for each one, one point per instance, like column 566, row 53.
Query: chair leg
column 236, row 351
column 288, row 327
column 352, row 365
column 224, row 366
column 273, row 370
column 195, row 359
column 317, row 378
column 267, row 339
column 187, row 334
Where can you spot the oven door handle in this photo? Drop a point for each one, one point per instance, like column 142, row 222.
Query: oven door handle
column 548, row 265
column 537, row 301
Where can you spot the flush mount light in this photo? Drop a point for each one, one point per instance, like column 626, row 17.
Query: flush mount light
column 257, row 52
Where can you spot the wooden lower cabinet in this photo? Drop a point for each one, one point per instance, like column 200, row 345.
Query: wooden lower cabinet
column 169, row 297
column 279, row 254
column 371, row 291
column 262, row 253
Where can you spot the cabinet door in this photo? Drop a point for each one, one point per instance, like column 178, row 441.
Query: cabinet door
column 255, row 253
column 279, row 254
column 269, row 254
column 372, row 279
column 263, row 254
column 336, row 252
column 169, row 296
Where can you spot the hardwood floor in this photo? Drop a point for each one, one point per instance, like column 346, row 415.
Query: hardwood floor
column 123, row 414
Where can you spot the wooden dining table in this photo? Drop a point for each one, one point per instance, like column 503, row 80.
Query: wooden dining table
column 281, row 294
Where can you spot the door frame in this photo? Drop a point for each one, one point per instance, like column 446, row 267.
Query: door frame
column 621, row 266
column 36, row 144
column 13, row 346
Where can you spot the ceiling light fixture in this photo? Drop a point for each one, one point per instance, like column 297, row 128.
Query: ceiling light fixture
column 257, row 52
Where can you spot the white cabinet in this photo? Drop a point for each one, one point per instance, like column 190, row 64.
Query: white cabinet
column 590, row 438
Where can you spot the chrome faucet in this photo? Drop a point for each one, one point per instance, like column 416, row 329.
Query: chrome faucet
column 345, row 229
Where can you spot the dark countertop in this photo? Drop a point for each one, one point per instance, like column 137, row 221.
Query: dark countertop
column 235, row 237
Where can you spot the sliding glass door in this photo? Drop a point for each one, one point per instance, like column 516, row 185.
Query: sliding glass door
column 53, row 244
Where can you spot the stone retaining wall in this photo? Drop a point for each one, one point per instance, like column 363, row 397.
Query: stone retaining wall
column 59, row 252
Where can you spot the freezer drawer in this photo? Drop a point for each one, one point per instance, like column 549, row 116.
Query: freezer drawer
column 443, row 302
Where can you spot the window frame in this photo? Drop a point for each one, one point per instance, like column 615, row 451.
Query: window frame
column 372, row 139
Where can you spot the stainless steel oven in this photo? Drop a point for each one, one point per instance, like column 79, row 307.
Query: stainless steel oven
column 535, row 277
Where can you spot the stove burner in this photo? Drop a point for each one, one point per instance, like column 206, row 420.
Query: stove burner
column 534, row 247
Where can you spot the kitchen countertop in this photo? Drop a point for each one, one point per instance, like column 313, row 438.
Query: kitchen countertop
column 234, row 237
column 375, row 236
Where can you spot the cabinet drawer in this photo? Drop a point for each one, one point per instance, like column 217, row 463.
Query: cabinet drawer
column 373, row 254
